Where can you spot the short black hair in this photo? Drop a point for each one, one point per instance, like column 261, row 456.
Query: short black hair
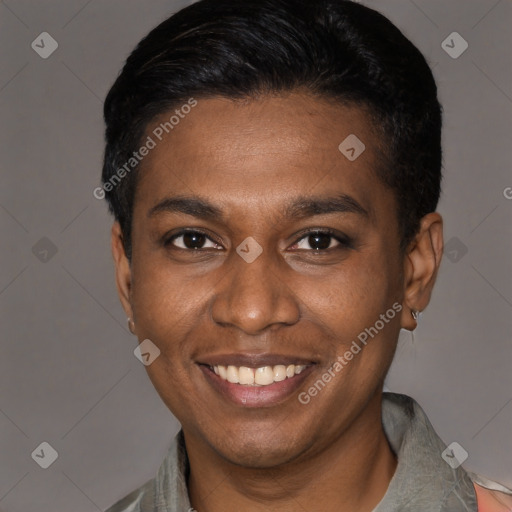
column 334, row 49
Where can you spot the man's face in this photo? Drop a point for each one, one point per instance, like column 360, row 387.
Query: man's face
column 265, row 176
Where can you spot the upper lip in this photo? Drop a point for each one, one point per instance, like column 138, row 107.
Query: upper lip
column 253, row 360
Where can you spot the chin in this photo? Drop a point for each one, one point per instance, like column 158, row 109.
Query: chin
column 260, row 450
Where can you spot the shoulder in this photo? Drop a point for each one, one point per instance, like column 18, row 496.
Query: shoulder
column 491, row 496
column 140, row 500
column 167, row 491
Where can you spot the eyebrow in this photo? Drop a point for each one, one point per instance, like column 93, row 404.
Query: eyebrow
column 300, row 208
column 187, row 205
column 309, row 206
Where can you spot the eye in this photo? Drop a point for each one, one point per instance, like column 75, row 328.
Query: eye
column 192, row 240
column 320, row 241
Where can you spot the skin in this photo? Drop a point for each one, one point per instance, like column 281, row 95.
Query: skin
column 251, row 160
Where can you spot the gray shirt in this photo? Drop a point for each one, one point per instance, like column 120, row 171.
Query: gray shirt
column 423, row 481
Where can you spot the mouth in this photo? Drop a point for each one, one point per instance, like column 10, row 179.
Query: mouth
column 256, row 381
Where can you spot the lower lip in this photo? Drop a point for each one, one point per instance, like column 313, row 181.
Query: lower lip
column 256, row 396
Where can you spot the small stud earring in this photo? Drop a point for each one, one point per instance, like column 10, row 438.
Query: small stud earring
column 131, row 325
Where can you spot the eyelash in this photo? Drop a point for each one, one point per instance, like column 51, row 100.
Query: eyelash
column 344, row 241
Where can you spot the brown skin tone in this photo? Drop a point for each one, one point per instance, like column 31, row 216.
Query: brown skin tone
column 252, row 160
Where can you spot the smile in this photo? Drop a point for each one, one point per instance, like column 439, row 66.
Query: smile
column 262, row 376
column 256, row 380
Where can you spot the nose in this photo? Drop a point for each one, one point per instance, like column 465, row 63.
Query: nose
column 255, row 296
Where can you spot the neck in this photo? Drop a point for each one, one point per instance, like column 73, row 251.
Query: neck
column 351, row 474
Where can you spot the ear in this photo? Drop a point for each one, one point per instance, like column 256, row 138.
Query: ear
column 421, row 264
column 122, row 269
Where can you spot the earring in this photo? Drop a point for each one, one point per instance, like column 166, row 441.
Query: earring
column 415, row 315
column 131, row 325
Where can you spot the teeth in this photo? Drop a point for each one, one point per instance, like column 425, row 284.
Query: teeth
column 264, row 375
column 232, row 375
column 279, row 372
column 257, row 376
column 245, row 375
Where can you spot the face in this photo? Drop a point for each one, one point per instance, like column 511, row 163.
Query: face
column 258, row 244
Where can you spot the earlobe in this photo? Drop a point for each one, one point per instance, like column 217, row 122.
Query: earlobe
column 421, row 264
column 122, row 269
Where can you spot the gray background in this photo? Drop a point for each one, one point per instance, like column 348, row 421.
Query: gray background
column 68, row 375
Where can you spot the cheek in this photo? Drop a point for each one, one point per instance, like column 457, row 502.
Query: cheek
column 175, row 388
column 348, row 307
column 166, row 309
column 353, row 295
column 163, row 297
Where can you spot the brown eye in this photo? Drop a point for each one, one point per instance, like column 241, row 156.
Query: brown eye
column 318, row 241
column 192, row 240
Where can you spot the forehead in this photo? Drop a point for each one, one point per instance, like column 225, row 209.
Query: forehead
column 255, row 152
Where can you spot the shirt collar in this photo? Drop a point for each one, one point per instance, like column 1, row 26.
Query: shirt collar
column 422, row 480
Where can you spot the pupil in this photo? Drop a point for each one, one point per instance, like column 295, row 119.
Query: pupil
column 320, row 241
column 193, row 240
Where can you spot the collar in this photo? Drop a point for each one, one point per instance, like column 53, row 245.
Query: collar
column 422, row 480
